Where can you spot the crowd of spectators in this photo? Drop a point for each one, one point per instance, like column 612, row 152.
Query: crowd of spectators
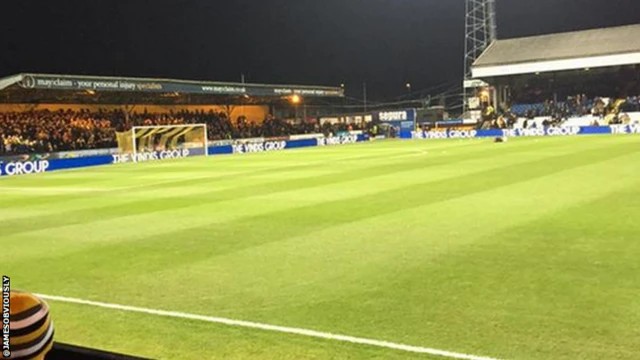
column 608, row 110
column 45, row 131
column 576, row 106
column 600, row 94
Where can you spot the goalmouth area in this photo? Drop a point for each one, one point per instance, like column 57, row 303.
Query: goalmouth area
column 161, row 142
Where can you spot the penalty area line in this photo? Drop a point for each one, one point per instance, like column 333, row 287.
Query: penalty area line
column 267, row 327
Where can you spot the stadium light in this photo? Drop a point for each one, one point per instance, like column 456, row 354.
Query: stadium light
column 485, row 95
column 296, row 99
column 408, row 86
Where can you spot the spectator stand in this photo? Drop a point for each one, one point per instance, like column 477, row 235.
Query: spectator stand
column 98, row 107
column 582, row 77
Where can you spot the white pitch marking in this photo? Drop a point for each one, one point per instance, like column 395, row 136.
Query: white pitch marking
column 267, row 327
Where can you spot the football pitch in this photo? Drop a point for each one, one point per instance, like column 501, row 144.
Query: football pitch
column 523, row 250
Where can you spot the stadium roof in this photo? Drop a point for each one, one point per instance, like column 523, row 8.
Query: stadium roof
column 146, row 85
column 563, row 51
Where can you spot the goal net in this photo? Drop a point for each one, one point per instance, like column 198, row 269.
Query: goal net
column 146, row 143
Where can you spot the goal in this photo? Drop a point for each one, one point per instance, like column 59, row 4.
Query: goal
column 145, row 143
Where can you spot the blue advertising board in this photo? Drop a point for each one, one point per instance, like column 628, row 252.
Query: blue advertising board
column 547, row 131
column 36, row 166
column 279, row 145
column 403, row 120
column 39, row 166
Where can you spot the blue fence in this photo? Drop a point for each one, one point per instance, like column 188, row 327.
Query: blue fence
column 40, row 166
column 13, row 168
column 548, row 131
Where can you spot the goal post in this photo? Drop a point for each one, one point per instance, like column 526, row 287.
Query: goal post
column 144, row 143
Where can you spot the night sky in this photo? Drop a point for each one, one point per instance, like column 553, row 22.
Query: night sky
column 322, row 42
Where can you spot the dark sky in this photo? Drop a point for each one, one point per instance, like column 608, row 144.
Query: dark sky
column 383, row 42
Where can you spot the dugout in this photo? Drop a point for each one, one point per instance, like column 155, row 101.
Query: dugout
column 28, row 91
column 596, row 62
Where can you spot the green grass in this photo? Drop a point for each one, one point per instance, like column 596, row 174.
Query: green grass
column 523, row 250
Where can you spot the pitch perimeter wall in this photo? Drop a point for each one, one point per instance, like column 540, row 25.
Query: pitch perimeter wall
column 35, row 164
